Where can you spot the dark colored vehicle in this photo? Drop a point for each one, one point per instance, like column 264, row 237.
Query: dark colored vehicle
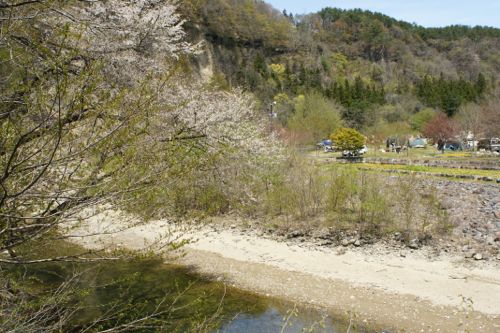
column 453, row 146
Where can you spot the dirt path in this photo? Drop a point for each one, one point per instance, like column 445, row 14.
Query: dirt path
column 410, row 294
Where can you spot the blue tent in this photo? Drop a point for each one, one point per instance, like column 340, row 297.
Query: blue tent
column 325, row 143
column 418, row 143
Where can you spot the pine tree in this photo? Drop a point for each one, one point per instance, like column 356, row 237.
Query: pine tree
column 481, row 84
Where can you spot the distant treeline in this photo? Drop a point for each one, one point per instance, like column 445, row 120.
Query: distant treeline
column 355, row 94
column 449, row 95
column 453, row 32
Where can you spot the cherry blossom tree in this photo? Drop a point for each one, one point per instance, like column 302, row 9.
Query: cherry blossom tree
column 441, row 129
column 96, row 111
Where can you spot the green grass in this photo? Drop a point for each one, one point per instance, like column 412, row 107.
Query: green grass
column 429, row 153
column 430, row 170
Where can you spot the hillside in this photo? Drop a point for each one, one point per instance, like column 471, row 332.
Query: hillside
column 377, row 70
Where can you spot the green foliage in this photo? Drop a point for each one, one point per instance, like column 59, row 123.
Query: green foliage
column 315, row 115
column 421, row 118
column 297, row 192
column 454, row 32
column 357, row 92
column 348, row 139
column 449, row 95
column 278, row 72
column 239, row 22
column 277, row 69
column 373, row 213
column 343, row 187
column 357, row 98
column 281, row 99
column 421, row 214
column 360, row 59
column 356, row 198
column 347, row 199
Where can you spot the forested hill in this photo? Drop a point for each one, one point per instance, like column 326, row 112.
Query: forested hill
column 376, row 67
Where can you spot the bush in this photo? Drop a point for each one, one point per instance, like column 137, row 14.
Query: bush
column 348, row 139
column 347, row 199
column 420, row 119
column 357, row 200
column 316, row 116
column 297, row 192
column 418, row 211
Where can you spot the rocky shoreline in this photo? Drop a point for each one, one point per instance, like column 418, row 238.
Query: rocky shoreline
column 420, row 285
column 473, row 210
column 415, row 286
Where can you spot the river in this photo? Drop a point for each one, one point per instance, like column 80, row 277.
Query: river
column 129, row 290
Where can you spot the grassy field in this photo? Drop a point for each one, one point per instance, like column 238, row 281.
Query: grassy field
column 431, row 171
column 428, row 153
column 434, row 170
column 431, row 153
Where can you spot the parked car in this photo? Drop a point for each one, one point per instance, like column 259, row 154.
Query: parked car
column 495, row 145
column 489, row 144
column 328, row 149
column 453, row 146
column 359, row 152
column 323, row 143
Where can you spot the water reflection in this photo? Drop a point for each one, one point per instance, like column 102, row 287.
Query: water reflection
column 136, row 287
column 276, row 320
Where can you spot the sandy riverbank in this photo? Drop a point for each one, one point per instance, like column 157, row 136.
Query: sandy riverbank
column 415, row 293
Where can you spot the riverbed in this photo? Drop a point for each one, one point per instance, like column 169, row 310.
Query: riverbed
column 128, row 290
column 405, row 291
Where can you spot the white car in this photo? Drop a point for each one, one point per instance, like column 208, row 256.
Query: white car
column 349, row 153
column 363, row 150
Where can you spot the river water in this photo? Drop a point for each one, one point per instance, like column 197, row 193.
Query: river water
column 128, row 290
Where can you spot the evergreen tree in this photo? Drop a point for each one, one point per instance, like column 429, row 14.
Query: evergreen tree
column 448, row 95
column 481, row 84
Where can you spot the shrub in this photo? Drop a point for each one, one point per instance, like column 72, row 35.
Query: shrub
column 315, row 115
column 348, row 139
column 297, row 192
column 419, row 212
column 358, row 200
column 420, row 119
